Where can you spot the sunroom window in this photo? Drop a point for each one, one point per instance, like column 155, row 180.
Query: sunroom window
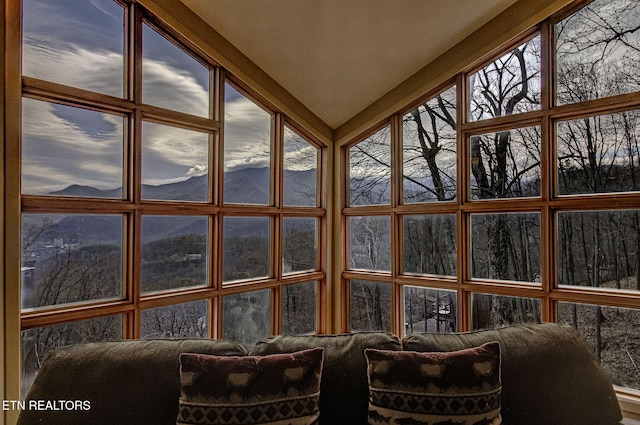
column 522, row 206
column 161, row 198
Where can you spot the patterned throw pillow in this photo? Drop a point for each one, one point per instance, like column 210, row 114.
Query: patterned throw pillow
column 278, row 389
column 410, row 388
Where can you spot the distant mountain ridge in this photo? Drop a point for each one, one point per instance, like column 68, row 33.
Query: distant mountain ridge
column 246, row 186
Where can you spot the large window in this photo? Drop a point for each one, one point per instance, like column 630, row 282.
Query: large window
column 160, row 197
column 509, row 195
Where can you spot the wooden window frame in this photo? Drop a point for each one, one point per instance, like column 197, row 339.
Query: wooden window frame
column 132, row 207
column 547, row 205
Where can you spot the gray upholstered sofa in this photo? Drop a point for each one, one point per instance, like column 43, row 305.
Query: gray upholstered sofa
column 549, row 376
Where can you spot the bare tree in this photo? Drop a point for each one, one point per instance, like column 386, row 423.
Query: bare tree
column 598, row 53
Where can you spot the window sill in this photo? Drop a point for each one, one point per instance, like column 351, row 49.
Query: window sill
column 630, row 405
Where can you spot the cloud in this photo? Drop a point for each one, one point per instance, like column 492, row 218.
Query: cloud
column 171, row 88
column 95, row 70
column 171, row 154
column 86, row 147
column 198, row 170
column 57, row 152
column 247, row 135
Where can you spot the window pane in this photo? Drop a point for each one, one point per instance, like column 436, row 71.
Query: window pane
column 78, row 43
column 506, row 164
column 189, row 320
column 300, row 244
column 598, row 51
column 429, row 244
column 299, row 303
column 171, row 78
column 174, row 252
column 506, row 246
column 430, row 310
column 495, row 311
column 599, row 154
column 429, row 150
column 246, row 245
column 370, row 306
column 70, row 151
column 599, row 249
column 175, row 163
column 370, row 243
column 70, row 258
column 247, row 316
column 509, row 85
column 613, row 334
column 370, row 170
column 39, row 342
column 300, row 170
column 247, row 150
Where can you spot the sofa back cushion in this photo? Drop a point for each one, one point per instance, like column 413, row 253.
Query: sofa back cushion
column 344, row 390
column 549, row 374
column 133, row 382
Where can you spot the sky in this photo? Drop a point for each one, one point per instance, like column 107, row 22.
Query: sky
column 80, row 43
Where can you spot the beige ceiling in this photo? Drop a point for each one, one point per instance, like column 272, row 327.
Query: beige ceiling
column 339, row 56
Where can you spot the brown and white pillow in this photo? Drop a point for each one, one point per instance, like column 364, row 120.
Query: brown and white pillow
column 272, row 389
column 410, row 388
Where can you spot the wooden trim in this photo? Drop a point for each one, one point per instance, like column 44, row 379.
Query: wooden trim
column 130, row 38
column 505, row 122
column 10, row 274
column 276, row 310
column 428, row 281
column 586, row 295
column 595, row 107
column 5, row 306
column 214, row 246
column 70, row 96
column 629, row 404
column 163, row 116
column 72, row 313
column 213, row 317
column 335, row 249
column 131, row 258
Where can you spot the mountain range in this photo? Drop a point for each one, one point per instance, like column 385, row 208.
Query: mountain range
column 247, row 186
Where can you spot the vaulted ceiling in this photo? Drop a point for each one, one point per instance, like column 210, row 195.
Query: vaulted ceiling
column 339, row 56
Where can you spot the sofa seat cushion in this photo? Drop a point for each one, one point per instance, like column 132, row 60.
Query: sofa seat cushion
column 549, row 374
column 344, row 391
column 461, row 387
column 134, row 382
column 273, row 389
